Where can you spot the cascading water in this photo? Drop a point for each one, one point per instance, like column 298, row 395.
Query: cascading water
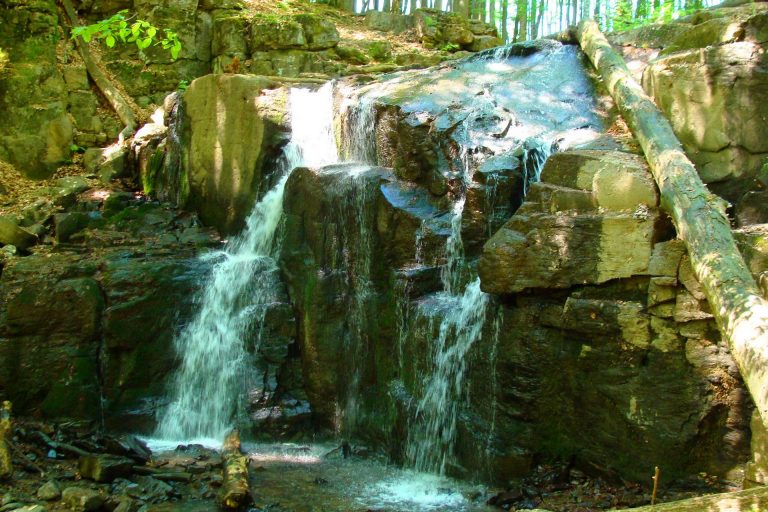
column 462, row 315
column 209, row 389
column 455, row 317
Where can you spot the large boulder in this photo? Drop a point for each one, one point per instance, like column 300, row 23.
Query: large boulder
column 233, row 131
column 711, row 83
column 37, row 133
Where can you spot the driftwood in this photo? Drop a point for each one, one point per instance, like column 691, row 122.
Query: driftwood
column 740, row 501
column 235, row 492
column 6, row 433
column 121, row 107
column 69, row 449
column 699, row 216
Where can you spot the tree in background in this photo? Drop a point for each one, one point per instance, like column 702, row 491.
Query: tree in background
column 528, row 19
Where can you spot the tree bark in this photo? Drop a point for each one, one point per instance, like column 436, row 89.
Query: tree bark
column 752, row 499
column 699, row 216
column 121, row 107
column 235, row 492
column 6, row 433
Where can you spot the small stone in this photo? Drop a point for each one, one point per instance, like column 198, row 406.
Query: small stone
column 67, row 224
column 49, row 491
column 82, row 499
column 12, row 234
column 104, row 468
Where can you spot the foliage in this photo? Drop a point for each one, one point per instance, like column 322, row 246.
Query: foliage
column 120, row 27
column 450, row 47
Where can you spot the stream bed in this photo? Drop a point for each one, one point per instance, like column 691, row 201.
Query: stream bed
column 304, row 478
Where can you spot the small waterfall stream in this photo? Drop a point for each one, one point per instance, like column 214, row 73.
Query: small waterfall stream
column 209, row 389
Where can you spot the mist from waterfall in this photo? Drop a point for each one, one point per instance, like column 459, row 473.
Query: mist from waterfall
column 217, row 348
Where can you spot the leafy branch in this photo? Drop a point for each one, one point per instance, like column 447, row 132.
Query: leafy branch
column 120, row 27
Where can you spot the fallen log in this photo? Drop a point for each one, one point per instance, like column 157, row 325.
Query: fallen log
column 235, row 491
column 740, row 501
column 119, row 104
column 6, row 433
column 699, row 216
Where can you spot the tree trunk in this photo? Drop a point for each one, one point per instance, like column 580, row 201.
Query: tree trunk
column 235, row 492
column 699, row 216
column 505, row 21
column 119, row 104
column 752, row 499
column 6, row 433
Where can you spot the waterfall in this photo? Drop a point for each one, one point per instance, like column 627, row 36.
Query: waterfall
column 455, row 319
column 209, row 389
column 462, row 316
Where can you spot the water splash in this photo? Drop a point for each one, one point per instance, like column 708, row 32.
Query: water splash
column 216, row 348
column 432, row 436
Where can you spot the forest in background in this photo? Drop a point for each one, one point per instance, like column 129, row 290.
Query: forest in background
column 521, row 20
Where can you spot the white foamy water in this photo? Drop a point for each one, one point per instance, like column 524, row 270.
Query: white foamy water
column 419, row 491
column 216, row 349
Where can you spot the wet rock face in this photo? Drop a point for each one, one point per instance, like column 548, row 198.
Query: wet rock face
column 711, row 84
column 486, row 127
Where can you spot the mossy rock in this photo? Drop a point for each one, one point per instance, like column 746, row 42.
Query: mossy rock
column 276, row 33
column 379, row 50
column 321, row 33
column 352, row 54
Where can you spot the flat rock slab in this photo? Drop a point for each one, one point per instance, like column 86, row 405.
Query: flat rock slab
column 561, row 250
column 104, row 468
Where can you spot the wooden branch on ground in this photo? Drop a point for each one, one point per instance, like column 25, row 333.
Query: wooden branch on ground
column 6, row 433
column 21, row 459
column 63, row 447
column 116, row 100
column 235, row 491
column 739, row 501
column 699, row 216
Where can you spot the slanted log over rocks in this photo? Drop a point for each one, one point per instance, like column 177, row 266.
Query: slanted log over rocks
column 699, row 216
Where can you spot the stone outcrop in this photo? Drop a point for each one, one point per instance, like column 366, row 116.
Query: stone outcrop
column 649, row 312
column 710, row 82
column 37, row 133
column 439, row 29
column 593, row 218
column 69, row 343
column 233, row 131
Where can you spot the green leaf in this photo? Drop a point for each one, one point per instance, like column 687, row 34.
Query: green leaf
column 110, row 41
column 175, row 50
column 87, row 37
column 144, row 43
column 151, row 31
